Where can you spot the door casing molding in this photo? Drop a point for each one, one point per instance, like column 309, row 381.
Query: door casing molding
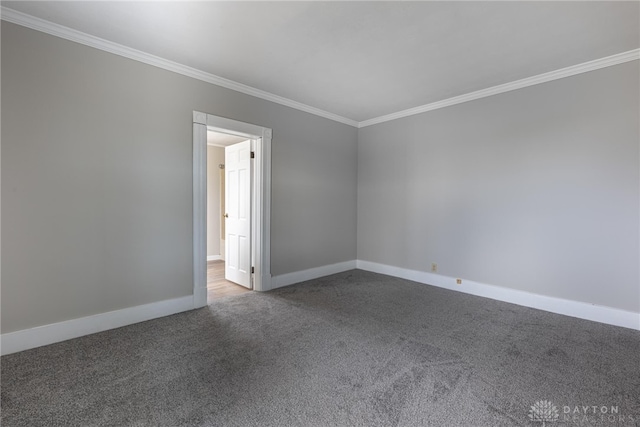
column 260, row 200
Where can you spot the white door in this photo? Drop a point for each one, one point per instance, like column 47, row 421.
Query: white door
column 238, row 213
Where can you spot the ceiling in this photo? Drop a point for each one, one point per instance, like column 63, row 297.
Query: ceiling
column 223, row 139
column 360, row 60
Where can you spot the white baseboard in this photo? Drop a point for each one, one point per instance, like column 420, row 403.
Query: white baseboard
column 214, row 257
column 312, row 273
column 581, row 310
column 13, row 342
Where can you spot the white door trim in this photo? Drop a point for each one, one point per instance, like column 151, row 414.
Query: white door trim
column 260, row 206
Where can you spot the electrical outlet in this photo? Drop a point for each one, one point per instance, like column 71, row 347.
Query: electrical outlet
column 434, row 267
column 459, row 281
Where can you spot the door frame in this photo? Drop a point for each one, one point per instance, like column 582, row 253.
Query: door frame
column 260, row 200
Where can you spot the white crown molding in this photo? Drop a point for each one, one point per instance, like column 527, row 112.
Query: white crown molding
column 608, row 61
column 38, row 24
column 581, row 310
column 61, row 31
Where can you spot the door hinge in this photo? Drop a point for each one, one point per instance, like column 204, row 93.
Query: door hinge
column 253, row 270
column 253, row 154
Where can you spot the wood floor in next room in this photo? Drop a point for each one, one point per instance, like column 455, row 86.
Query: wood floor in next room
column 217, row 285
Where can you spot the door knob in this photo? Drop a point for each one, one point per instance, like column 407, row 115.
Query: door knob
column 226, row 215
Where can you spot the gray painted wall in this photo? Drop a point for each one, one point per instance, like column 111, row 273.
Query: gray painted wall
column 96, row 180
column 535, row 189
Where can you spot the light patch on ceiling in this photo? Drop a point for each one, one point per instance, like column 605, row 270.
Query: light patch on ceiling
column 223, row 139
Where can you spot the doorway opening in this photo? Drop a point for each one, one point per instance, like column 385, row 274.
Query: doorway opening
column 231, row 207
column 232, row 277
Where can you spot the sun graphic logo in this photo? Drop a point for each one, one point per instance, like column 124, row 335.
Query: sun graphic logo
column 544, row 411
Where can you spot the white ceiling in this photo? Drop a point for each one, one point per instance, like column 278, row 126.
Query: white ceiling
column 360, row 60
column 223, row 139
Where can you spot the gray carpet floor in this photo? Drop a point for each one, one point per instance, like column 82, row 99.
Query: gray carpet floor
column 352, row 349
